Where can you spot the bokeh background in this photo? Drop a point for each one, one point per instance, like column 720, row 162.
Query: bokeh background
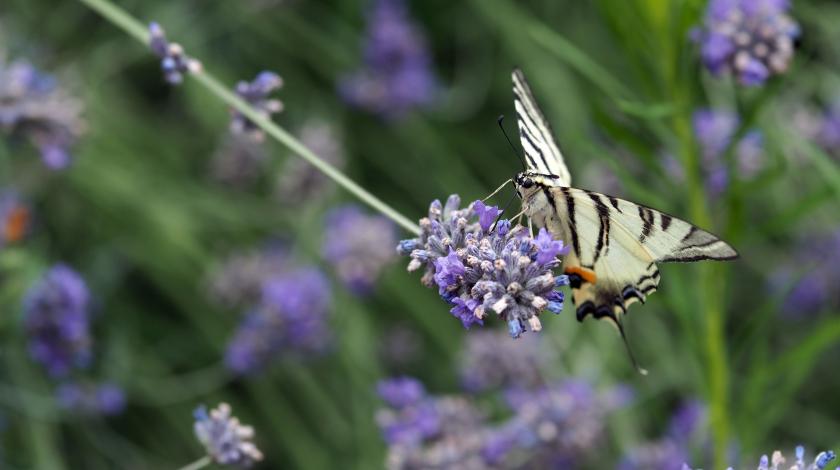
column 155, row 258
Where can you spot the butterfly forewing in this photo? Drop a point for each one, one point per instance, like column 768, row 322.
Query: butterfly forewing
column 542, row 153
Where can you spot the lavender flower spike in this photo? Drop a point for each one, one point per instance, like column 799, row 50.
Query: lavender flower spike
column 479, row 270
column 33, row 106
column 227, row 441
column 57, row 323
column 174, row 62
column 396, row 76
column 752, row 39
column 256, row 94
column 358, row 245
column 777, row 461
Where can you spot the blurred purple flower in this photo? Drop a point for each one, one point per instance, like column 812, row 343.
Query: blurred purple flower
column 401, row 392
column 489, row 363
column 778, row 461
column 173, row 61
column 397, row 75
column 359, row 246
column 714, row 131
column 815, row 290
column 34, row 107
column 290, row 318
column 256, row 94
column 226, row 440
column 57, row 323
column 91, row 398
column 238, row 281
column 238, row 162
column 828, row 135
column 299, row 182
column 752, row 39
column 674, row 448
column 14, row 218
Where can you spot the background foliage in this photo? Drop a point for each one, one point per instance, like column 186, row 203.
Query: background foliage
column 140, row 217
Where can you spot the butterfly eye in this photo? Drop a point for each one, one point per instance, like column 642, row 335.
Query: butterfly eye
column 527, row 183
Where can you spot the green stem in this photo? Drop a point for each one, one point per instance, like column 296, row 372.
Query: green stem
column 200, row 463
column 133, row 27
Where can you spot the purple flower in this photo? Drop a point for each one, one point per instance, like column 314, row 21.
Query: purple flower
column 238, row 162
column 812, row 290
column 714, row 131
column 488, row 362
column 14, row 218
column 396, row 76
column 57, row 323
column 359, row 246
column 548, row 248
column 91, row 398
column 674, row 448
column 238, row 281
column 173, row 61
column 34, row 107
column 298, row 182
column 291, row 317
column 828, row 134
column 256, row 94
column 226, row 440
column 503, row 270
column 486, row 214
column 752, row 39
column 401, row 392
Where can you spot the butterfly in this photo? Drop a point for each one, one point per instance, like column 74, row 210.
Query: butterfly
column 614, row 244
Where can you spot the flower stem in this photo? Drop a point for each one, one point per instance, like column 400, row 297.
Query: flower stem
column 130, row 25
column 200, row 463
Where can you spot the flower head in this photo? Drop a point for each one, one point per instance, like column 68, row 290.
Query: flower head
column 358, row 245
column 488, row 362
column 480, row 271
column 752, row 39
column 56, row 321
column 226, row 440
column 91, row 398
column 291, row 317
column 33, row 106
column 174, row 62
column 397, row 74
column 256, row 94
column 299, row 182
column 715, row 130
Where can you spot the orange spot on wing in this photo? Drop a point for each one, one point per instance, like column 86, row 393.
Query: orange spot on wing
column 15, row 224
column 587, row 275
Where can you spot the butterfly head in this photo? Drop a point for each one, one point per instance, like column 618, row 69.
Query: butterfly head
column 529, row 182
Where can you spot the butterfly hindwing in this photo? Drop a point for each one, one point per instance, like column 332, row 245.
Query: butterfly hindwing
column 542, row 154
column 615, row 245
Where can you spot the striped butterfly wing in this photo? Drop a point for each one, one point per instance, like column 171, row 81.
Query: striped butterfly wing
column 615, row 245
column 542, row 155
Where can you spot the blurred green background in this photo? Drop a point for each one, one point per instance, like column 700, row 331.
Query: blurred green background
column 144, row 216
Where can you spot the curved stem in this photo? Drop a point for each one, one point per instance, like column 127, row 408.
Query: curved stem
column 133, row 27
column 200, row 463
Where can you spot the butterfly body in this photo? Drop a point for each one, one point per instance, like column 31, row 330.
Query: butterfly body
column 614, row 243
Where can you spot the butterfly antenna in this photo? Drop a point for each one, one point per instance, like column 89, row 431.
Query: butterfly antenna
column 639, row 369
column 504, row 209
column 518, row 155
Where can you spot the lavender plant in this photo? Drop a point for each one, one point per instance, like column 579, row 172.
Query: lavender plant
column 174, row 62
column 34, row 107
column 57, row 322
column 778, row 462
column 227, row 441
column 396, row 76
column 256, row 93
column 358, row 246
column 483, row 266
column 750, row 39
column 91, row 398
column 297, row 181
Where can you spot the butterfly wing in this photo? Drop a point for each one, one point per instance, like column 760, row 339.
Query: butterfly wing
column 542, row 154
column 615, row 245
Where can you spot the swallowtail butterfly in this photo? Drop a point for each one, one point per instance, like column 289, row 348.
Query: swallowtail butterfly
column 615, row 244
